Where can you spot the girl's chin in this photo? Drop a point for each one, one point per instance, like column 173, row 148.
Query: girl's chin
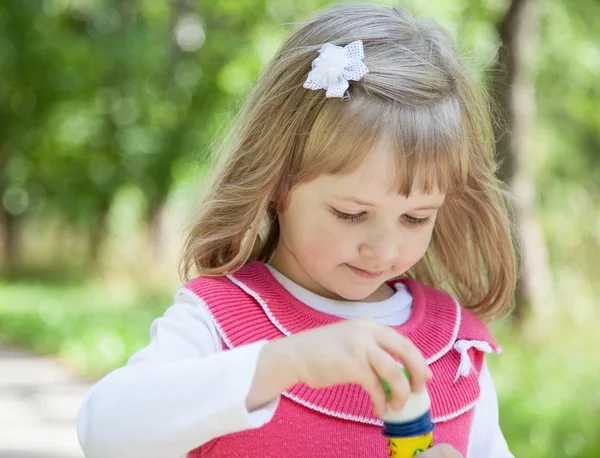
column 354, row 293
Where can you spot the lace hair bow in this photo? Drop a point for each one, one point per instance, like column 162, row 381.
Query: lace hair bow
column 335, row 66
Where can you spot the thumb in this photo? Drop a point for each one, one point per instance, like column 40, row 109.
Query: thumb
column 441, row 451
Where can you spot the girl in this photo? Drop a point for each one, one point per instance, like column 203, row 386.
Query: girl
column 360, row 179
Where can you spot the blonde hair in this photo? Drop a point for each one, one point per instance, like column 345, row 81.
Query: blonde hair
column 418, row 93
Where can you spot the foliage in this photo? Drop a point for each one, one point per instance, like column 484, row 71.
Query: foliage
column 91, row 327
column 107, row 113
column 548, row 392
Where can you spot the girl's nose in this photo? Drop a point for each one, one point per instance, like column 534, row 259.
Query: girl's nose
column 381, row 249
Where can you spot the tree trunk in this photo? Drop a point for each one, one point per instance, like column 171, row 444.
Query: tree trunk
column 154, row 219
column 513, row 92
column 12, row 240
column 10, row 225
column 98, row 233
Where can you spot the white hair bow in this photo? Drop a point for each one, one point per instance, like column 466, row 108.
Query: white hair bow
column 335, row 66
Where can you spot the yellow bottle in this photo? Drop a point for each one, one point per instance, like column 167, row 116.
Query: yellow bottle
column 409, row 431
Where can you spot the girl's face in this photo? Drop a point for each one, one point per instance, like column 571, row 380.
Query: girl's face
column 344, row 236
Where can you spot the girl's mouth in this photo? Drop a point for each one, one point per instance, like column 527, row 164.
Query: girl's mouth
column 368, row 274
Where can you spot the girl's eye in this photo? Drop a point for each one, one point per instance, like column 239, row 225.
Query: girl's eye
column 357, row 217
column 350, row 217
column 417, row 221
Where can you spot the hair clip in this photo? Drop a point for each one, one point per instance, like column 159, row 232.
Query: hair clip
column 334, row 67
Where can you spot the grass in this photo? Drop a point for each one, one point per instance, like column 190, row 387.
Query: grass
column 91, row 327
column 548, row 391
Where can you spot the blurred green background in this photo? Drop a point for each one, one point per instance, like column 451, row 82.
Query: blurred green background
column 107, row 112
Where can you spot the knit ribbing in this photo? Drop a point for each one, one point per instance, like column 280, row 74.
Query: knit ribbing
column 252, row 305
column 432, row 325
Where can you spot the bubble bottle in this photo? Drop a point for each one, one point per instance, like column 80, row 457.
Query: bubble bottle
column 409, row 431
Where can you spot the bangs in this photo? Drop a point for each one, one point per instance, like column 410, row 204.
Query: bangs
column 431, row 147
column 428, row 142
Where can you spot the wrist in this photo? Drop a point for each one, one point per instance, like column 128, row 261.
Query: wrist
column 278, row 355
column 274, row 374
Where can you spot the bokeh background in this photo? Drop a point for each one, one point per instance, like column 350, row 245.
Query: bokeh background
column 108, row 109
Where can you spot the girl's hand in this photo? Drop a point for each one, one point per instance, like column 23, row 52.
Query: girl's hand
column 441, row 451
column 357, row 351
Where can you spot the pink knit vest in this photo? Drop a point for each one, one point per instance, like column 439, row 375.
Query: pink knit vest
column 338, row 421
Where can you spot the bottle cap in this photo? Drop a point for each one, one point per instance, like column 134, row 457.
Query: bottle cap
column 416, row 427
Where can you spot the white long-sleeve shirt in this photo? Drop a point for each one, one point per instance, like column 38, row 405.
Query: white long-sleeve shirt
column 182, row 390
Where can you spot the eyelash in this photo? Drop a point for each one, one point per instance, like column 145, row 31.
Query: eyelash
column 361, row 216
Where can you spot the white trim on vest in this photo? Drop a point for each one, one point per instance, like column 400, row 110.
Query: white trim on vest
column 453, row 415
column 332, row 413
column 262, row 303
column 283, row 329
column 450, row 344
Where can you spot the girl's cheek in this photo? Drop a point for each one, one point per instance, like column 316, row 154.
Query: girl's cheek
column 326, row 240
column 414, row 251
column 322, row 241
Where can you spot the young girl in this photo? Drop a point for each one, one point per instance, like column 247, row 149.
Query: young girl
column 360, row 180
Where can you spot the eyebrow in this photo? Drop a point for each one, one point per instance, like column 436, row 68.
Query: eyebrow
column 428, row 207
column 369, row 204
column 357, row 201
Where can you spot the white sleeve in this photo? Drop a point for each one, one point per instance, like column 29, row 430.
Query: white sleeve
column 174, row 395
column 486, row 438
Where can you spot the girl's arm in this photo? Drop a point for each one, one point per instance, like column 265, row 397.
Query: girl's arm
column 486, row 438
column 177, row 393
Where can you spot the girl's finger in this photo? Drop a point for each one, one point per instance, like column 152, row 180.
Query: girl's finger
column 398, row 345
column 371, row 383
column 441, row 451
column 388, row 369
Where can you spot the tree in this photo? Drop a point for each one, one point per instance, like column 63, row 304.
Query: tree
column 513, row 91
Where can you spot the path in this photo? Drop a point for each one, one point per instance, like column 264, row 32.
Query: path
column 38, row 407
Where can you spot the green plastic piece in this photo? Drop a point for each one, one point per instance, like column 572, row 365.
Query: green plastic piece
column 406, row 373
column 386, row 387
